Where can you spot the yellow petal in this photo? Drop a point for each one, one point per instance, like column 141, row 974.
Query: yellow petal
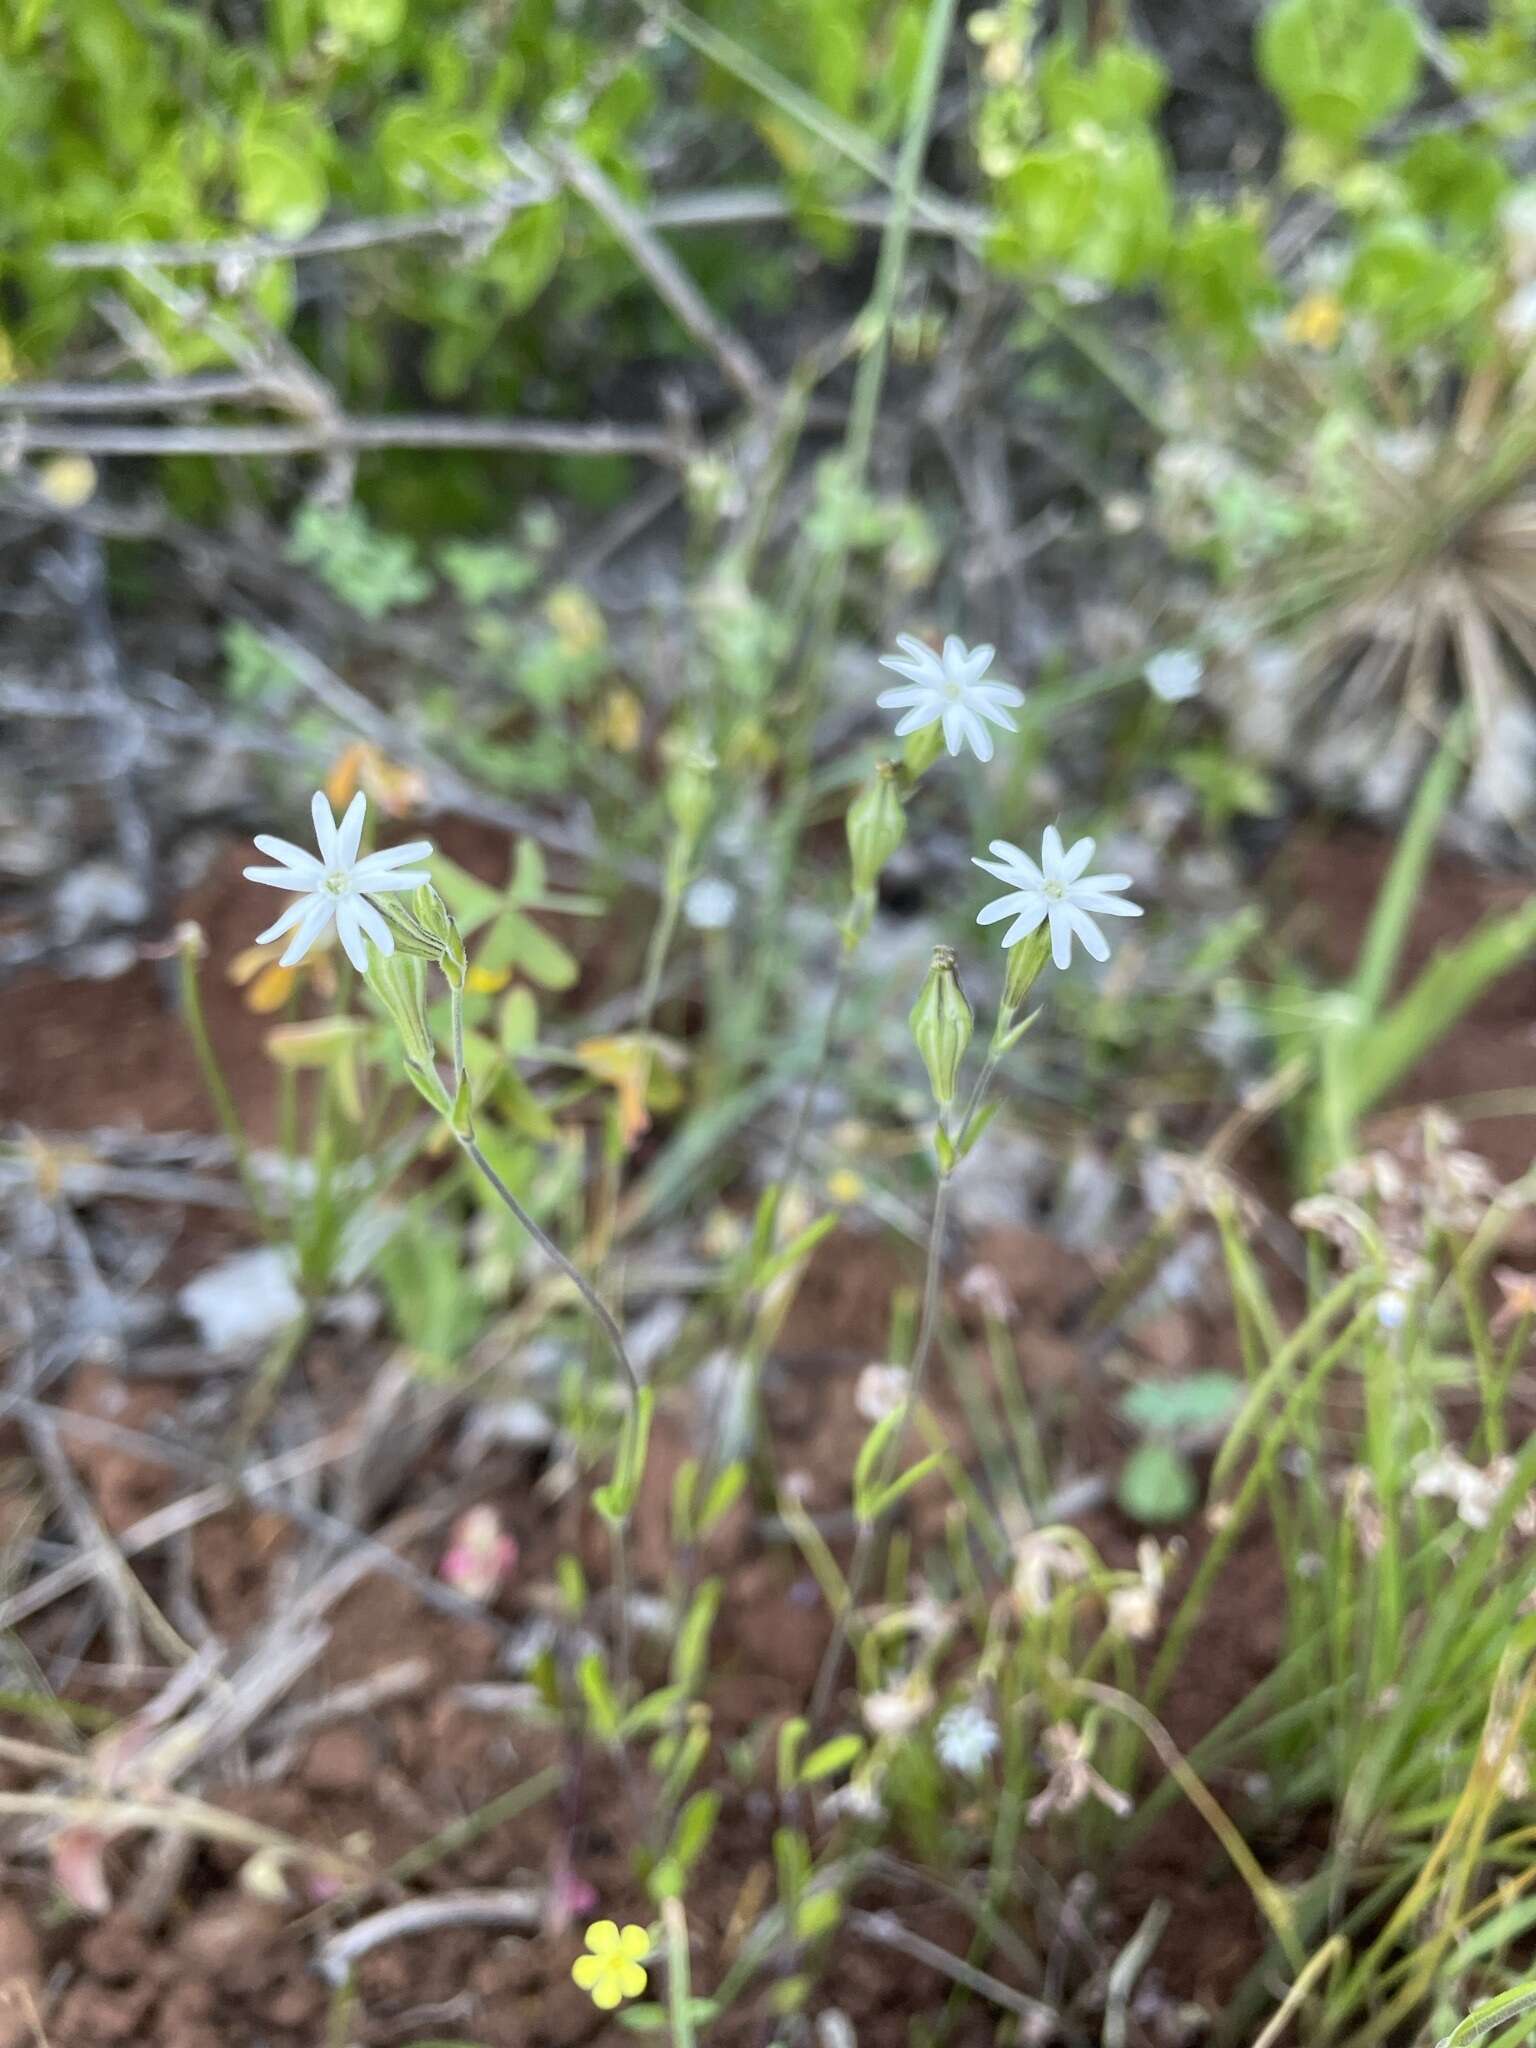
column 487, row 981
column 341, row 783
column 602, row 1937
column 635, row 1945
column 607, row 1994
column 631, row 1979
column 248, row 963
column 586, row 1970
column 68, row 481
column 271, row 989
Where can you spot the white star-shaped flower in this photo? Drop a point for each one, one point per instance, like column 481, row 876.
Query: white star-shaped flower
column 949, row 687
column 337, row 885
column 1056, row 889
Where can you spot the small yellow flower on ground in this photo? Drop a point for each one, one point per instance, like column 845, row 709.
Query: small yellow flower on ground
column 1316, row 321
column 611, row 1971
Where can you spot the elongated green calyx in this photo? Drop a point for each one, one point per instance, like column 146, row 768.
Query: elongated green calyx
column 941, row 1025
column 922, row 749
column 435, row 918
column 877, row 825
column 690, row 788
column 400, row 983
column 1025, row 961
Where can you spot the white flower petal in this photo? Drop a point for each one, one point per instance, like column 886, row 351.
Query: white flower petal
column 913, row 671
column 1093, row 939
column 316, row 917
column 1061, row 935
column 1008, row 906
column 290, row 855
column 1075, row 859
column 349, row 931
column 396, row 856
column 908, row 693
column 976, row 732
column 1005, row 871
column 374, row 927
column 1106, row 881
column 1103, row 906
column 325, row 828
column 955, row 652
column 1030, row 920
column 290, row 917
column 1004, row 693
column 1017, row 858
column 997, row 715
column 953, row 728
column 280, row 878
column 349, row 836
column 970, row 666
column 1051, row 854
column 926, row 713
column 392, row 878
column 919, row 651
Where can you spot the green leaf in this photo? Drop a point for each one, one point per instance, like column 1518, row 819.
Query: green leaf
column 832, row 1758
column 602, row 1706
column 280, row 170
column 690, row 1655
column 615, row 1501
column 1340, row 67
column 722, row 1496
column 1199, row 1402
column 1119, row 86
column 695, row 1826
column 1157, row 1484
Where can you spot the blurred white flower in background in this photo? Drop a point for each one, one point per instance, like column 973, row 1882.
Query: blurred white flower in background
column 710, row 904
column 337, row 885
column 1056, row 890
column 949, row 688
column 1175, row 674
column 965, row 1738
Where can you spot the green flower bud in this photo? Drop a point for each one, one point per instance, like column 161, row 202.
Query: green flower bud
column 410, row 934
column 877, row 825
column 690, row 788
column 941, row 1025
column 435, row 918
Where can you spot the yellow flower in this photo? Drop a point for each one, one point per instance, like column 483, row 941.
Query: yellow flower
column 620, row 723
column 1316, row 321
column 397, row 790
column 268, row 984
column 68, row 481
column 611, row 1972
column 844, row 1185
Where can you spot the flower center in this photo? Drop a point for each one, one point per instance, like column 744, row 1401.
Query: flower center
column 338, row 885
column 953, row 690
column 1055, row 890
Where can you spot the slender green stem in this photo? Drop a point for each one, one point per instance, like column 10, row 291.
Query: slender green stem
column 601, row 1313
column 679, row 1976
column 456, row 999
column 789, row 1172
column 189, row 953
column 661, row 940
column 869, row 1532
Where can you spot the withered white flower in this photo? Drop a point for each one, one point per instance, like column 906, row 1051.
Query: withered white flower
column 950, row 689
column 337, row 885
column 1057, row 890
